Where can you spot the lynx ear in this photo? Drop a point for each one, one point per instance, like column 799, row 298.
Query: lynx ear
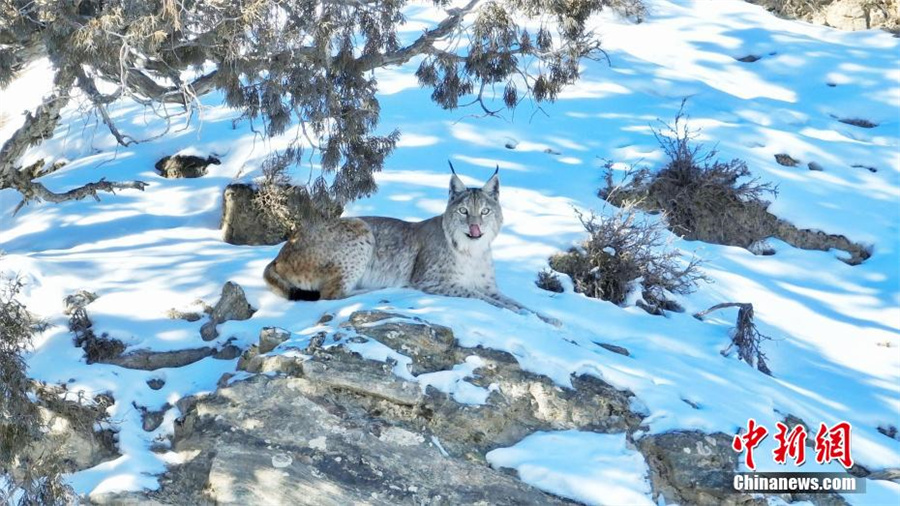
column 456, row 184
column 492, row 187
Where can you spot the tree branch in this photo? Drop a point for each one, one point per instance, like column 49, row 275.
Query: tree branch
column 421, row 45
column 33, row 190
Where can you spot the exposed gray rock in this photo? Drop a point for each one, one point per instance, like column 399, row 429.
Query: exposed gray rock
column 330, row 427
column 786, row 160
column 690, row 467
column 326, row 426
column 842, row 14
column 185, row 166
column 72, row 426
column 148, row 360
column 430, row 346
column 244, row 223
column 271, row 337
column 815, row 166
column 353, row 374
column 156, row 383
column 232, row 305
column 268, row 441
column 615, row 349
column 252, row 361
column 152, row 419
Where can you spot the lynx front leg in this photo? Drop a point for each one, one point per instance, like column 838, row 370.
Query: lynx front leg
column 519, row 308
column 495, row 299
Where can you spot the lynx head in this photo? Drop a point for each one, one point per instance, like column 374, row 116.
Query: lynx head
column 473, row 216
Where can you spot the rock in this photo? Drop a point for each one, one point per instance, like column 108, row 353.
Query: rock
column 152, row 419
column 271, row 337
column 761, row 248
column 690, row 467
column 252, row 362
column 330, row 427
column 185, row 166
column 615, row 349
column 366, row 377
column 428, row 345
column 232, row 305
column 889, row 431
column 750, row 58
column 816, row 166
column 155, row 383
column 72, row 429
column 786, row 160
column 243, row 222
column 147, row 360
column 96, row 348
column 841, row 14
column 264, row 441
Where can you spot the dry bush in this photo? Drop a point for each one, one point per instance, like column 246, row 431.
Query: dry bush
column 289, row 205
column 625, row 254
column 549, row 280
column 700, row 195
column 23, row 480
column 745, row 336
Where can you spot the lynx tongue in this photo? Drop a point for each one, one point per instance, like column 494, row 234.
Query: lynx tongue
column 474, row 231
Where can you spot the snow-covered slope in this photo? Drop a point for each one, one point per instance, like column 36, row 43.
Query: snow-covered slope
column 836, row 328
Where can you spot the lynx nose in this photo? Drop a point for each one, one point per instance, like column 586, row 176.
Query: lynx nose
column 474, row 231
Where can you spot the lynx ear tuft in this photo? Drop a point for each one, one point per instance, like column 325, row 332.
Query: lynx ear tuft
column 492, row 187
column 456, row 185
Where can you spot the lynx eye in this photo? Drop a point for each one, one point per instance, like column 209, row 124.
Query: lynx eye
column 463, row 211
column 486, row 211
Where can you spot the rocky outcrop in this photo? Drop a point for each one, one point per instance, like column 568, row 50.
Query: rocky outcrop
column 324, row 425
column 842, row 14
column 691, row 467
column 327, row 426
column 78, row 429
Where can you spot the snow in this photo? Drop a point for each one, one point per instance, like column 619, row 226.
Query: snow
column 835, row 351
column 585, row 466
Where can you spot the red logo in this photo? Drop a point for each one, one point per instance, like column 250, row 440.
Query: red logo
column 750, row 440
column 834, row 444
column 790, row 445
column 831, row 443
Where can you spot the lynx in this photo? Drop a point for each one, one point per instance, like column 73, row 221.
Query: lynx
column 448, row 254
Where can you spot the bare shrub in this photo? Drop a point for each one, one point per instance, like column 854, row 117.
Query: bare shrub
column 549, row 280
column 700, row 194
column 280, row 200
column 745, row 336
column 703, row 197
column 714, row 201
column 24, row 479
column 628, row 254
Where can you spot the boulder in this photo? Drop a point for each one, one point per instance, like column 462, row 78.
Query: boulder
column 185, row 166
column 244, row 223
column 691, row 467
column 841, row 14
column 232, row 305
